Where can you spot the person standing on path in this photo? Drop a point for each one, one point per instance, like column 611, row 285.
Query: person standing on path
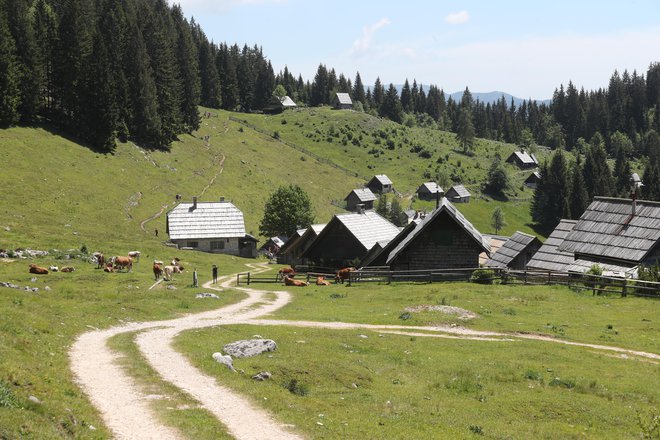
column 215, row 274
column 195, row 278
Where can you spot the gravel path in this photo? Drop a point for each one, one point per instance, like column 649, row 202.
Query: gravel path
column 126, row 410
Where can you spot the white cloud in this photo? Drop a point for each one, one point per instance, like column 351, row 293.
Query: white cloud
column 364, row 43
column 458, row 17
column 218, row 6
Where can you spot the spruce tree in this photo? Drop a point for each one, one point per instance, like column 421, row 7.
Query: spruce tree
column 189, row 79
column 465, row 132
column 391, row 106
column 44, row 23
column 622, row 173
column 597, row 174
column 358, row 90
column 9, row 74
column 406, row 97
column 579, row 197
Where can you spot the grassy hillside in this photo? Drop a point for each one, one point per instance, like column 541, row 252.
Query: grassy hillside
column 410, row 156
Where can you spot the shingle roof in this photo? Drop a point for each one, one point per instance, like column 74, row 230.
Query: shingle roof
column 460, row 191
column 525, row 158
column 305, row 235
column 368, row 228
column 445, row 206
column 607, row 229
column 495, row 242
column 363, row 195
column 344, row 98
column 534, row 176
column 549, row 257
column 431, row 187
column 208, row 220
column 383, row 179
column 513, row 247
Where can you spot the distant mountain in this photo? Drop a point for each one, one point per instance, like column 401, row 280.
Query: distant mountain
column 492, row 97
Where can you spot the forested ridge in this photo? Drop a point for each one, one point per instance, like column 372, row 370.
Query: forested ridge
column 104, row 70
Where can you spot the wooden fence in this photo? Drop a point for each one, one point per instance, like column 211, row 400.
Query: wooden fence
column 594, row 283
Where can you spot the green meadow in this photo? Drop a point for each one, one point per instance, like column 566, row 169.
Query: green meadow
column 62, row 197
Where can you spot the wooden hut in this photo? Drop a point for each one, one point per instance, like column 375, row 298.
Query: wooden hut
column 292, row 250
column 429, row 191
column 533, row 180
column 516, row 252
column 211, row 227
column 361, row 197
column 347, row 238
column 342, row 101
column 617, row 234
column 380, row 184
column 458, row 194
column 443, row 239
column 523, row 159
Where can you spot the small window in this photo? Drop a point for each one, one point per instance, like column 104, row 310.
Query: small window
column 192, row 244
column 216, row 245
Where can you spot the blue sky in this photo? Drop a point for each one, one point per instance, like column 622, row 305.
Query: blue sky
column 526, row 48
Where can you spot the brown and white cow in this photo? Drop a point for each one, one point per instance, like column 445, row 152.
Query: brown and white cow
column 38, row 270
column 100, row 260
column 66, row 269
column 287, row 272
column 135, row 255
column 321, row 281
column 169, row 271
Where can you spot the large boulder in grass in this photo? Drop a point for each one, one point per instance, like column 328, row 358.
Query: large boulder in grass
column 249, row 347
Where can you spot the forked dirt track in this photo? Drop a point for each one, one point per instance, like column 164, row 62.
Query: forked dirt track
column 126, row 410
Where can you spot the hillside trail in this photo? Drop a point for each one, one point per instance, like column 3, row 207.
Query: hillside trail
column 125, row 409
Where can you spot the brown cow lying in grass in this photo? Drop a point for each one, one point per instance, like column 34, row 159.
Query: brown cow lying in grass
column 67, row 269
column 38, row 270
column 109, row 267
column 321, row 281
column 343, row 274
column 291, row 282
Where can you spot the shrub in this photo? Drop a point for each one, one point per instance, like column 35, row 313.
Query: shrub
column 297, row 388
column 405, row 316
column 276, row 134
column 7, row 398
column 482, row 276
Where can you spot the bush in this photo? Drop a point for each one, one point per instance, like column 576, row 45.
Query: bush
column 276, row 134
column 482, row 276
column 297, row 388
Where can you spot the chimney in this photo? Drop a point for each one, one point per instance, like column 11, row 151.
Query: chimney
column 194, row 206
column 360, row 208
column 633, row 196
column 222, row 199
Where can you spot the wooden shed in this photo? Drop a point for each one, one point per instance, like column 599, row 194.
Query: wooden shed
column 342, row 101
column 380, row 184
column 361, row 197
column 429, row 191
column 347, row 238
column 444, row 239
column 458, row 194
column 211, row 227
column 516, row 252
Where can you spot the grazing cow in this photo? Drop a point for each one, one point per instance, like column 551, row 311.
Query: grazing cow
column 135, row 255
column 169, row 271
column 109, row 267
column 158, row 271
column 38, row 270
column 123, row 263
column 175, row 261
column 291, row 282
column 100, row 259
column 343, row 274
column 67, row 269
column 159, row 262
column 321, row 281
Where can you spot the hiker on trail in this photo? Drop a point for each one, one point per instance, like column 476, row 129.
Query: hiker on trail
column 215, row 274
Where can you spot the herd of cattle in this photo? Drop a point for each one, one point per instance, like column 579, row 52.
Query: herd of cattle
column 167, row 272
column 287, row 274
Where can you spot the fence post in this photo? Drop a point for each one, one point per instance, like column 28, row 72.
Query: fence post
column 238, row 279
column 524, row 277
column 389, row 277
column 248, row 278
column 624, row 293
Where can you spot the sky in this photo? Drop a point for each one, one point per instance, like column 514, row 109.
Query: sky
column 526, row 48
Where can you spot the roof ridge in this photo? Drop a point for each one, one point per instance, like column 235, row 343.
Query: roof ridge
column 628, row 201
